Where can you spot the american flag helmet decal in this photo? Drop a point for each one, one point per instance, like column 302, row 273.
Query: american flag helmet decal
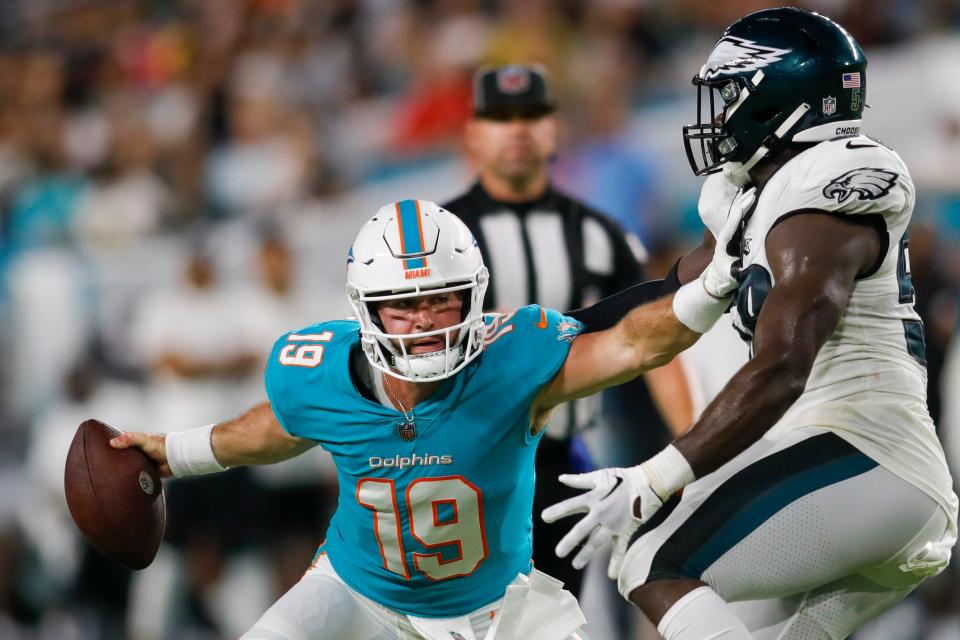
column 851, row 80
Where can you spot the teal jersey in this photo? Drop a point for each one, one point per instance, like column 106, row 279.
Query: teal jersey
column 432, row 520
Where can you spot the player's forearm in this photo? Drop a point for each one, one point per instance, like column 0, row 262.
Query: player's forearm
column 655, row 335
column 606, row 313
column 690, row 266
column 752, row 402
column 255, row 437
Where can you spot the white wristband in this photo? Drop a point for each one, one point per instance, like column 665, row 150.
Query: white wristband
column 697, row 309
column 190, row 453
column 668, row 472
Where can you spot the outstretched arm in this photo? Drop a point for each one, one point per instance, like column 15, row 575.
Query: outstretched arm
column 668, row 384
column 606, row 313
column 255, row 437
column 650, row 335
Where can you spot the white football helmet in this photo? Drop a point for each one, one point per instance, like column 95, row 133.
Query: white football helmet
column 409, row 249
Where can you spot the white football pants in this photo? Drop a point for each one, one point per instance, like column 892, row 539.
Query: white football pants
column 322, row 606
column 807, row 534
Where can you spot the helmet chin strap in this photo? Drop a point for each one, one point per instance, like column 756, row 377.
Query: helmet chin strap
column 736, row 173
column 739, row 172
column 427, row 365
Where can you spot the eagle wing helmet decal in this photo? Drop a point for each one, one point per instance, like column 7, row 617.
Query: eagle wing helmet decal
column 867, row 183
column 734, row 55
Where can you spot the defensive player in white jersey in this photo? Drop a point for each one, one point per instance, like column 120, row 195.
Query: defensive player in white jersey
column 813, row 488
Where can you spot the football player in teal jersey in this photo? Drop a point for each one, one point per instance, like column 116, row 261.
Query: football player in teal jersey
column 432, row 412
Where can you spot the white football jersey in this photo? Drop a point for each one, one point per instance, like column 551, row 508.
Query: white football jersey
column 869, row 381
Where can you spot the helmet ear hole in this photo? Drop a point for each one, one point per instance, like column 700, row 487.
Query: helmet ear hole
column 375, row 316
column 464, row 303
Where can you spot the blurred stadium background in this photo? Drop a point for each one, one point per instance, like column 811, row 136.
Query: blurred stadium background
column 179, row 183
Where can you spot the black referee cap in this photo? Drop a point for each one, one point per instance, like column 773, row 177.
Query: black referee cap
column 503, row 92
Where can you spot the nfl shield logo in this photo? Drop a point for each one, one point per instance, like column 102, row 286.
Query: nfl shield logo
column 407, row 430
column 513, row 80
column 829, row 105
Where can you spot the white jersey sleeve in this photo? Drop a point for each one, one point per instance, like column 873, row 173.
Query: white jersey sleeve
column 850, row 176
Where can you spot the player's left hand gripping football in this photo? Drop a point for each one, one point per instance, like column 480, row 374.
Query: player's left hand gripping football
column 720, row 276
column 152, row 444
column 609, row 502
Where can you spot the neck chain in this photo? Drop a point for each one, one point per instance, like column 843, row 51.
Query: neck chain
column 407, row 430
column 408, row 415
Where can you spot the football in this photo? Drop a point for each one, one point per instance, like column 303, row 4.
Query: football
column 115, row 496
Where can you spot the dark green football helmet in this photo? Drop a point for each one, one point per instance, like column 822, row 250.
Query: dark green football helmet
column 777, row 76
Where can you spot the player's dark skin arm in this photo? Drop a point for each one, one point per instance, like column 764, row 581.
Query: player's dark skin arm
column 692, row 265
column 815, row 259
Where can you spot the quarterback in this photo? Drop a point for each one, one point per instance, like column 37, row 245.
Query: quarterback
column 813, row 491
column 432, row 412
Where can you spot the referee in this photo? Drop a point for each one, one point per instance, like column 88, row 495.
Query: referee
column 542, row 247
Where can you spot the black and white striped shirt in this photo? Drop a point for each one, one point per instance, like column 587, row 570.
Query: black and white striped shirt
column 552, row 251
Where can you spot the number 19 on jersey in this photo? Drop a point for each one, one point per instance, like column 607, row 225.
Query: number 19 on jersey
column 441, row 512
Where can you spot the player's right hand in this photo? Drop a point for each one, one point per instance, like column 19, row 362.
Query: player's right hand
column 609, row 502
column 716, row 196
column 152, row 444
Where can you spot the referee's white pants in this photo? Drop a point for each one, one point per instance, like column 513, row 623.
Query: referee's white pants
column 808, row 536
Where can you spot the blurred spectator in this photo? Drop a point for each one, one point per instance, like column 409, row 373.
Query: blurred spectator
column 432, row 112
column 48, row 326
column 603, row 165
column 126, row 201
column 276, row 300
column 937, row 303
column 186, row 337
column 263, row 163
column 43, row 205
column 533, row 32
